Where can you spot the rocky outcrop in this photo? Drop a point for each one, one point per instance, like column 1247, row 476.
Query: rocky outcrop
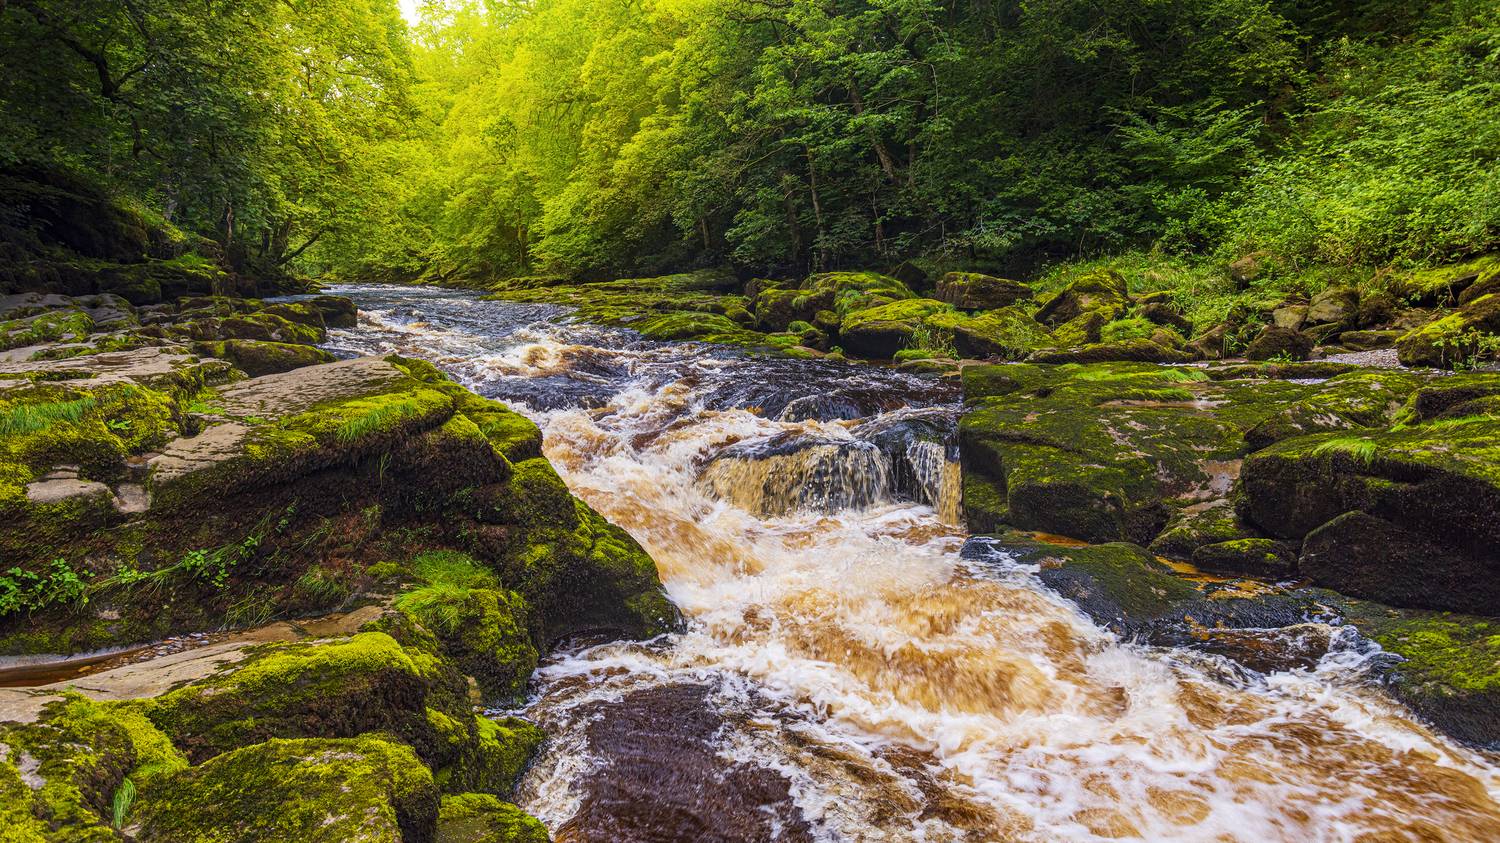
column 1154, row 455
column 1404, row 516
column 150, row 485
column 107, row 458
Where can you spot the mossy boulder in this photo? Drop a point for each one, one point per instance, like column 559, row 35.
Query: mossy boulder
column 58, row 776
column 1140, row 350
column 301, row 312
column 1199, row 525
column 1124, row 587
column 266, row 326
column 1444, row 285
column 482, row 755
column 337, row 311
column 1102, row 293
column 479, row 818
column 1333, row 306
column 1357, row 400
column 1092, row 452
column 1449, row 668
column 1369, row 340
column 974, row 291
column 1275, row 343
column 1404, row 516
column 883, row 330
column 693, row 325
column 62, row 325
column 845, row 292
column 366, row 683
column 258, row 357
column 334, row 790
column 1455, row 340
column 1007, row 333
column 1248, row 557
column 486, row 631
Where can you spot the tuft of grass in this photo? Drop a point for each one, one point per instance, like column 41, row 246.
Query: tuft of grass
column 377, row 418
column 937, row 342
column 22, row 419
column 449, row 568
column 124, row 796
column 1360, row 450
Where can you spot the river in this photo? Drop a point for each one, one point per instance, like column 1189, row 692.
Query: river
column 844, row 673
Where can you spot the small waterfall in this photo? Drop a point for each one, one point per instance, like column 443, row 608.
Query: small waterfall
column 938, row 477
column 815, row 478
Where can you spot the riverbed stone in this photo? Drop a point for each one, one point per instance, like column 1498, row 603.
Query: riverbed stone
column 883, row 330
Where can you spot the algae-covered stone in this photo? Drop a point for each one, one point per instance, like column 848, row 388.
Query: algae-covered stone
column 1249, row 557
column 1140, row 350
column 58, row 776
column 258, row 357
column 1092, row 452
column 883, row 330
column 484, row 630
column 1008, row 333
column 1369, row 340
column 974, row 291
column 1349, row 401
column 480, row 818
column 1449, row 669
column 1455, row 340
column 1406, row 515
column 1333, row 306
column 481, row 754
column 1275, row 343
column 1444, row 285
column 335, row 689
column 316, row 790
column 1101, row 293
column 844, row 292
column 1200, row 524
column 1123, row 587
column 337, row 311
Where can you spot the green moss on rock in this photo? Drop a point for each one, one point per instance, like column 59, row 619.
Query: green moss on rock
column 259, row 357
column 334, row 689
column 335, row 790
column 479, row 818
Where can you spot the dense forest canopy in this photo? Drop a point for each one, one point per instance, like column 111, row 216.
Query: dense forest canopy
column 611, row 137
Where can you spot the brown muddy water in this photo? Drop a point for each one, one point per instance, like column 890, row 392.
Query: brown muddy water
column 845, row 674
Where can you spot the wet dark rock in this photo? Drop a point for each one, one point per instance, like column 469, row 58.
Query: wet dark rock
column 662, row 780
column 1123, row 587
column 1200, row 524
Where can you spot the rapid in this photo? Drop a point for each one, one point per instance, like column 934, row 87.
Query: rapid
column 844, row 672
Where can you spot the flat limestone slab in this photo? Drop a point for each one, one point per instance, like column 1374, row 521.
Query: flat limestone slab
column 144, row 366
column 156, row 676
column 297, row 391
